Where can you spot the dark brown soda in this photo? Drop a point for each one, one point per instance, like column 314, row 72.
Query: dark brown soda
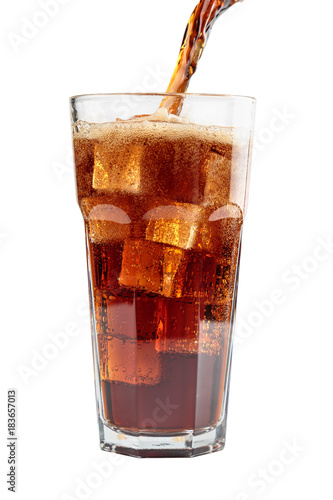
column 194, row 41
column 163, row 233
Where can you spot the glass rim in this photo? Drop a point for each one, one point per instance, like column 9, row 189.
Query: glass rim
column 86, row 97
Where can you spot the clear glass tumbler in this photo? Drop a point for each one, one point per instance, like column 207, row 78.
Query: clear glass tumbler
column 163, row 199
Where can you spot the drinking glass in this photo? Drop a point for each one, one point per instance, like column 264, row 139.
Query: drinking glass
column 163, row 200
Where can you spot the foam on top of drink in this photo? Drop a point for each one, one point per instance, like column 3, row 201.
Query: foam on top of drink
column 159, row 125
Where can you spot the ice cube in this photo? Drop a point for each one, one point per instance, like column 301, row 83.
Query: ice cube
column 126, row 336
column 106, row 222
column 129, row 317
column 153, row 267
column 105, row 267
column 220, row 232
column 115, row 316
column 226, row 171
column 141, row 265
column 217, row 187
column 215, row 324
column 178, row 327
column 193, row 328
column 129, row 362
column 200, row 278
column 175, row 225
column 117, row 168
column 173, row 272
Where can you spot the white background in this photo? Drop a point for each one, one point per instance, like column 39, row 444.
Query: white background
column 281, row 393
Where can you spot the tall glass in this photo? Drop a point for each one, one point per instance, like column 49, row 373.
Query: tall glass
column 163, row 200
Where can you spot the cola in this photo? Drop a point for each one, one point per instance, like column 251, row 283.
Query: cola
column 194, row 41
column 163, row 239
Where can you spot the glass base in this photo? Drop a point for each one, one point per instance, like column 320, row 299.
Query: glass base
column 187, row 443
